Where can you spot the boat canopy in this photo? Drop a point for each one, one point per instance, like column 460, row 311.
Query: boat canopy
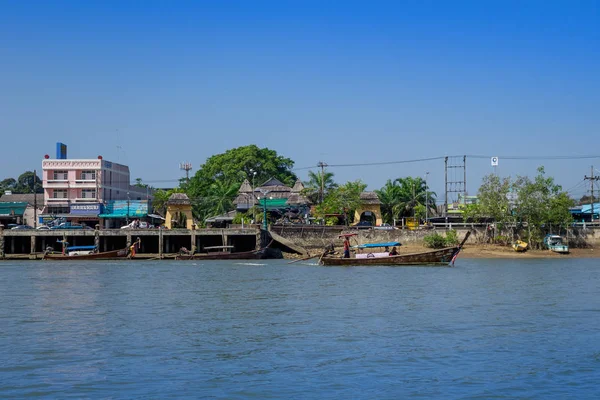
column 81, row 248
column 375, row 245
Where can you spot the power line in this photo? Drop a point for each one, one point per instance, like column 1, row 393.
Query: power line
column 537, row 157
column 387, row 162
column 368, row 164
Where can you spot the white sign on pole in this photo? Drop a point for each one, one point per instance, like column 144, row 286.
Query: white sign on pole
column 494, row 161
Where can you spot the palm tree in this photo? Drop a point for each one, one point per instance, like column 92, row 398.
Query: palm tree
column 400, row 197
column 389, row 196
column 222, row 194
column 318, row 186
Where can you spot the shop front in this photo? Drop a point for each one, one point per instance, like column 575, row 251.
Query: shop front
column 85, row 214
column 118, row 213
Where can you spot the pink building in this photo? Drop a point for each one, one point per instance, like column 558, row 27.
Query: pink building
column 80, row 187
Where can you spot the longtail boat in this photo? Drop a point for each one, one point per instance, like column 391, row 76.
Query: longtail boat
column 227, row 253
column 439, row 257
column 107, row 255
column 72, row 253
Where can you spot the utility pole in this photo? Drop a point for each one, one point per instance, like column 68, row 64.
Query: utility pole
column 34, row 199
column 322, row 165
column 426, row 199
column 446, row 188
column 592, row 178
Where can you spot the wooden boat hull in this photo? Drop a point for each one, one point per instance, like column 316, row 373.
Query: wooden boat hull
column 441, row 257
column 242, row 255
column 107, row 255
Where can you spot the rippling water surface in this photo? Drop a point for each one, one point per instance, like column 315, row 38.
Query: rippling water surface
column 235, row 330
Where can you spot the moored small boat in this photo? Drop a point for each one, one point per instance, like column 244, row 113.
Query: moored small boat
column 556, row 244
column 107, row 255
column 520, row 246
column 221, row 253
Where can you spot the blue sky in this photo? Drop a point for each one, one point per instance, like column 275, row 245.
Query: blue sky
column 152, row 84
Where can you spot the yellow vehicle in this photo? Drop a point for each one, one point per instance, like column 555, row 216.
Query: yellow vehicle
column 520, row 245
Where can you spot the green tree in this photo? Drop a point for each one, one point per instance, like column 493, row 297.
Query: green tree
column 543, row 205
column 240, row 163
column 140, row 183
column 26, row 181
column 493, row 200
column 220, row 200
column 7, row 184
column 344, row 199
column 403, row 196
column 160, row 198
column 316, row 181
column 214, row 186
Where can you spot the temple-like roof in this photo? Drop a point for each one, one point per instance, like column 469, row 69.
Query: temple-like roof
column 369, row 198
column 246, row 187
column 179, row 199
column 298, row 186
column 273, row 189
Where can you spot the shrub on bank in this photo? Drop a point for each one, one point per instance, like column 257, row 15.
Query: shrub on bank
column 437, row 241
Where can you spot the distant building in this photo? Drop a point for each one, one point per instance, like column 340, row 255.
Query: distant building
column 78, row 189
column 583, row 213
column 370, row 209
column 179, row 212
column 280, row 199
column 20, row 208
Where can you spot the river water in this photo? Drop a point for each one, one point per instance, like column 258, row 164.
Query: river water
column 485, row 329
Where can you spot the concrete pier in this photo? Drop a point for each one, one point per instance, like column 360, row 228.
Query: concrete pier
column 155, row 243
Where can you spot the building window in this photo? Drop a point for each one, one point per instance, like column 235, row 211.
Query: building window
column 88, row 175
column 88, row 193
column 59, row 194
column 60, row 175
column 58, row 210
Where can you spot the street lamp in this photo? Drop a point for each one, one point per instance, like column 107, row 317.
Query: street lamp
column 265, row 192
column 426, row 200
column 127, row 216
column 253, row 210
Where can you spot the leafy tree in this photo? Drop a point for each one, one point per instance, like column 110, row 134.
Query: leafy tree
column 316, row 181
column 493, row 199
column 160, row 198
column 23, row 184
column 240, row 163
column 543, row 205
column 344, row 199
column 140, row 183
column 8, row 184
column 215, row 184
column 471, row 212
